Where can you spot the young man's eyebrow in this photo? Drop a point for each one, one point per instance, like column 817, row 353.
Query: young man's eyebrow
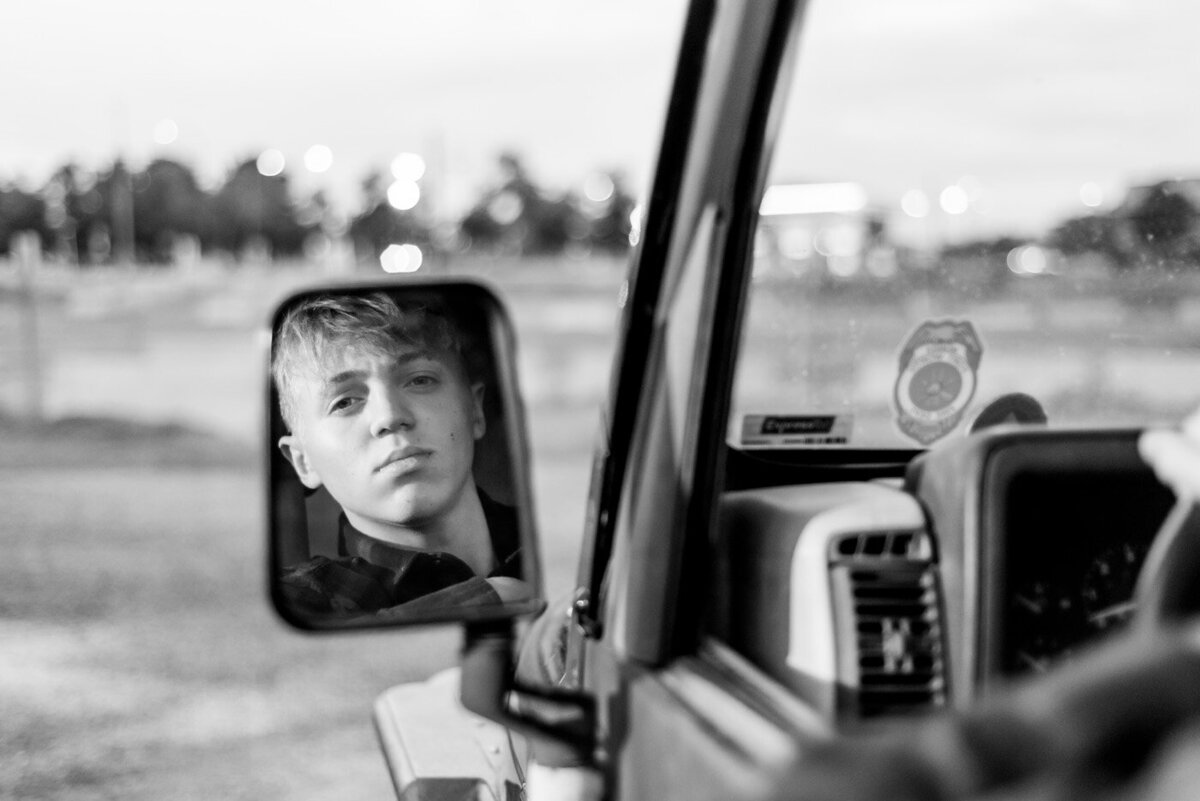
column 344, row 375
column 401, row 359
column 423, row 354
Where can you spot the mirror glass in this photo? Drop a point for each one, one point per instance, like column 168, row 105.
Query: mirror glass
column 399, row 470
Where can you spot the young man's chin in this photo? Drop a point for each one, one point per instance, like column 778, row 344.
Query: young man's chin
column 414, row 513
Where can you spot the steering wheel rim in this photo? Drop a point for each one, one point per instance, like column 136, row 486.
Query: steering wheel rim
column 1168, row 587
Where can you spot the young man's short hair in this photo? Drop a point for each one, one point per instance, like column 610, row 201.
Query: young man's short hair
column 317, row 327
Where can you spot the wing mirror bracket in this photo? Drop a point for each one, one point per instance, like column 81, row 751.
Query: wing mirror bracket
column 561, row 724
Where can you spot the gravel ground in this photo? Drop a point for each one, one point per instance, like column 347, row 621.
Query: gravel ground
column 138, row 655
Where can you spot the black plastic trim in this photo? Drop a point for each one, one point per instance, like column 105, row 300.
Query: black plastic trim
column 780, row 468
column 728, row 310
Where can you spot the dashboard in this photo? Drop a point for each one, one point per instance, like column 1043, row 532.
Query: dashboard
column 996, row 555
column 1074, row 545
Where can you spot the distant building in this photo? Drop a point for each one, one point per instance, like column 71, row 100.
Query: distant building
column 826, row 232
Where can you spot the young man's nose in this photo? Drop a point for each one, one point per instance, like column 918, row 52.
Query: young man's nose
column 390, row 413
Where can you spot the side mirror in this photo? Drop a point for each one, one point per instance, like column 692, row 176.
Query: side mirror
column 397, row 459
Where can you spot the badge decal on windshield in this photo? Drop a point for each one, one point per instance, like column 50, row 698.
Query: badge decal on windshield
column 938, row 365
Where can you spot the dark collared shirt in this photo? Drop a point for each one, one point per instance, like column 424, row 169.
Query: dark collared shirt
column 371, row 575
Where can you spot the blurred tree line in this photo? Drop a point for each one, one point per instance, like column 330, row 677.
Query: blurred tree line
column 1156, row 226
column 1155, row 230
column 162, row 214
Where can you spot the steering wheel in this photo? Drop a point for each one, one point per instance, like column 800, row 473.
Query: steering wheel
column 1168, row 587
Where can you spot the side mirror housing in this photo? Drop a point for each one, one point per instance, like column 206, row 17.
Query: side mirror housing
column 398, row 467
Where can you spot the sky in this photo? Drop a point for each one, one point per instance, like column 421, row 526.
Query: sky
column 574, row 86
column 1030, row 102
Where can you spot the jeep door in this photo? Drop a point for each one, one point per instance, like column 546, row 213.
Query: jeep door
column 680, row 716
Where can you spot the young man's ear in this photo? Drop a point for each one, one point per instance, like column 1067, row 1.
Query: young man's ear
column 293, row 450
column 478, row 421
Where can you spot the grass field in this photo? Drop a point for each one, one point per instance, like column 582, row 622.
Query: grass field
column 138, row 656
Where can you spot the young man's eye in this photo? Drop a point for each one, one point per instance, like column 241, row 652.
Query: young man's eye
column 424, row 381
column 343, row 405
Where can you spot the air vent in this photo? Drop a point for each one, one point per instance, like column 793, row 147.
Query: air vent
column 899, row 640
column 882, row 545
column 890, row 637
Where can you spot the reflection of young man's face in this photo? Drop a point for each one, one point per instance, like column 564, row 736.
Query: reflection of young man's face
column 391, row 437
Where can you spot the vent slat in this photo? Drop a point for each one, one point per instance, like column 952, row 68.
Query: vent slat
column 892, row 610
column 898, row 633
column 875, row 658
column 881, row 545
column 885, row 683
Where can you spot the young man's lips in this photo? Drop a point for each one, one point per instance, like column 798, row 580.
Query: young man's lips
column 402, row 461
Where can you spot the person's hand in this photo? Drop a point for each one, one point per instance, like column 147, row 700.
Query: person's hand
column 1121, row 724
column 1175, row 456
column 511, row 590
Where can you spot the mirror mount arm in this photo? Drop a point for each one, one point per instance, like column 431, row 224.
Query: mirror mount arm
column 560, row 724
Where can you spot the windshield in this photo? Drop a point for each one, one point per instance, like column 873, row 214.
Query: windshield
column 973, row 200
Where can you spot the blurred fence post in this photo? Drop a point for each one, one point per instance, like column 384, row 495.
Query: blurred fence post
column 27, row 247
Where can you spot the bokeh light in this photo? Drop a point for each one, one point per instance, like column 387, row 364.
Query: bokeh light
column 1091, row 195
column 1027, row 260
column 796, row 243
column 318, row 158
column 408, row 167
column 404, row 195
column 85, row 180
column 270, row 162
column 506, row 208
column 405, row 258
column 598, row 188
column 841, row 239
column 915, row 203
column 165, row 132
column 954, row 199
